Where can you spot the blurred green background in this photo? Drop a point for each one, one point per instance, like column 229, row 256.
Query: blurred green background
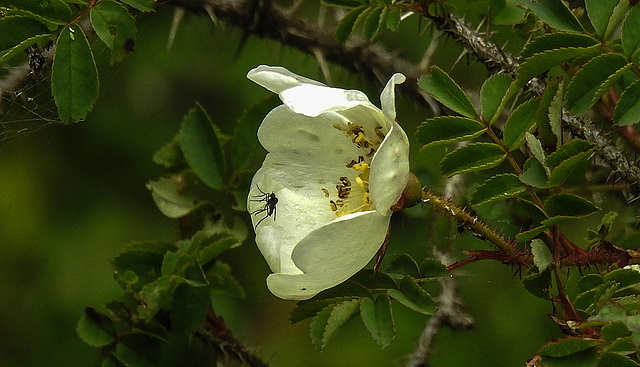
column 72, row 196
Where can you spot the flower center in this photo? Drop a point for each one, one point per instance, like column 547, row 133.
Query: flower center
column 351, row 194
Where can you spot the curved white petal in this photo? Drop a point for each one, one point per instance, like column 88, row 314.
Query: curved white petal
column 389, row 170
column 331, row 254
column 277, row 79
column 388, row 96
column 312, row 100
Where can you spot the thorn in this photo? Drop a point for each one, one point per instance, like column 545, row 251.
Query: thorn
column 322, row 62
column 178, row 15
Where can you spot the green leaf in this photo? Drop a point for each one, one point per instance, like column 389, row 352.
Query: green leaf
column 614, row 331
column 348, row 23
column 144, row 259
column 566, row 346
column 499, row 187
column 115, row 27
column 505, row 13
column 555, row 13
column 170, row 199
column 432, row 268
column 373, row 22
column 529, row 209
column 74, row 77
column 329, row 321
column 170, row 156
column 472, row 157
column 310, row 308
column 378, row 319
column 222, row 281
column 520, row 121
column 627, row 111
column 545, row 132
column 189, row 308
column 534, row 173
column 393, row 19
column 448, row 129
column 55, row 11
column 541, row 255
column 568, row 206
column 541, row 62
column 611, row 359
column 586, row 86
column 211, row 244
column 605, row 15
column 412, row 296
column 15, row 30
column 566, row 151
column 631, row 33
column 555, row 113
column 137, row 350
column 201, row 148
column 403, row 264
column 343, row 3
column 95, row 328
column 19, row 48
column 626, row 278
column 527, row 236
column 142, row 5
column 246, row 151
column 556, row 40
column 535, row 147
column 491, row 93
column 561, row 172
column 440, row 85
column 538, row 282
column 589, row 281
column 630, row 241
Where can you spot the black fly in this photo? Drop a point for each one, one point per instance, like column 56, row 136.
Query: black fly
column 270, row 200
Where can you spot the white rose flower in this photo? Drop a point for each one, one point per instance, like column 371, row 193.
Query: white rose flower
column 321, row 202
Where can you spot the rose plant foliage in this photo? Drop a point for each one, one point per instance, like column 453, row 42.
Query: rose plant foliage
column 545, row 139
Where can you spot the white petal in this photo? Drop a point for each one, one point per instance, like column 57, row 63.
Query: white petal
column 277, row 79
column 312, row 100
column 388, row 96
column 306, row 141
column 389, row 170
column 331, row 254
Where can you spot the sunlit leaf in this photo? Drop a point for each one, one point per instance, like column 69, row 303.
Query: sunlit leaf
column 585, row 87
column 440, row 85
column 520, row 121
column 201, row 148
column 328, row 322
column 170, row 199
column 448, row 129
column 74, row 77
column 541, row 255
column 115, row 27
column 393, row 19
column 627, row 111
column 499, row 187
column 378, row 319
column 491, row 94
column 631, row 33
